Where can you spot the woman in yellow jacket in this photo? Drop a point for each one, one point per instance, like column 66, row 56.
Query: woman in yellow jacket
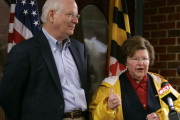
column 134, row 93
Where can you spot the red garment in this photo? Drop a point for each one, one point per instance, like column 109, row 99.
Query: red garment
column 140, row 88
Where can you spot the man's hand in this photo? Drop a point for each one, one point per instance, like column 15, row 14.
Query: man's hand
column 152, row 116
column 113, row 100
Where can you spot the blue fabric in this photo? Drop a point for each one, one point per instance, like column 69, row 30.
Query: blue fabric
column 74, row 95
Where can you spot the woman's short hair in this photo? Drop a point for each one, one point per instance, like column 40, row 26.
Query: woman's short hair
column 136, row 43
column 51, row 5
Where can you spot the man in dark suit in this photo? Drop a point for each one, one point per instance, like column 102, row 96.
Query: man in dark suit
column 45, row 76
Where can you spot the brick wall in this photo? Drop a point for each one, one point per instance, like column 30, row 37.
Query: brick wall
column 162, row 29
column 4, row 23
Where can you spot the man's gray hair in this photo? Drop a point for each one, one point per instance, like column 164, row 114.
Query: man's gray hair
column 51, row 5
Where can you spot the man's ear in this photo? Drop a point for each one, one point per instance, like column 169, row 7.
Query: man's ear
column 51, row 14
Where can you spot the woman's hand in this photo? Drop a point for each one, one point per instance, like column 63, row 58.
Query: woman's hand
column 113, row 100
column 152, row 116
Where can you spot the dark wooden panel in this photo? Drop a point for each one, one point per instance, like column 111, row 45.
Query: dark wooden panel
column 103, row 5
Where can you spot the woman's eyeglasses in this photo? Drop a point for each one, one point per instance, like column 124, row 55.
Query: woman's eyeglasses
column 135, row 59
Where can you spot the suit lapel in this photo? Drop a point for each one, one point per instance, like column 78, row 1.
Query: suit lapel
column 75, row 51
column 49, row 59
column 153, row 101
column 77, row 58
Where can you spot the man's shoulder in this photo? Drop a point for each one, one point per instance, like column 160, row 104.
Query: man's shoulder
column 78, row 45
column 26, row 45
column 156, row 77
column 74, row 41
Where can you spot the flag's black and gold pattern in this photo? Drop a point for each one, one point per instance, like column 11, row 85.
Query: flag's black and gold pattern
column 119, row 31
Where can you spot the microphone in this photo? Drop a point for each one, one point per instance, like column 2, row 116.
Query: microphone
column 168, row 94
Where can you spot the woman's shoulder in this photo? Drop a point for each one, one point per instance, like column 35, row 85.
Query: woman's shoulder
column 159, row 78
column 111, row 81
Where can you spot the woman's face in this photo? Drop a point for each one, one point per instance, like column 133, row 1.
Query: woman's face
column 138, row 64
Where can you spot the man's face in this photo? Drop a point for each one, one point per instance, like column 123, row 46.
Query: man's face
column 66, row 20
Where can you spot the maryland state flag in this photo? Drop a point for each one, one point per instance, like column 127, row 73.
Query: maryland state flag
column 119, row 31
